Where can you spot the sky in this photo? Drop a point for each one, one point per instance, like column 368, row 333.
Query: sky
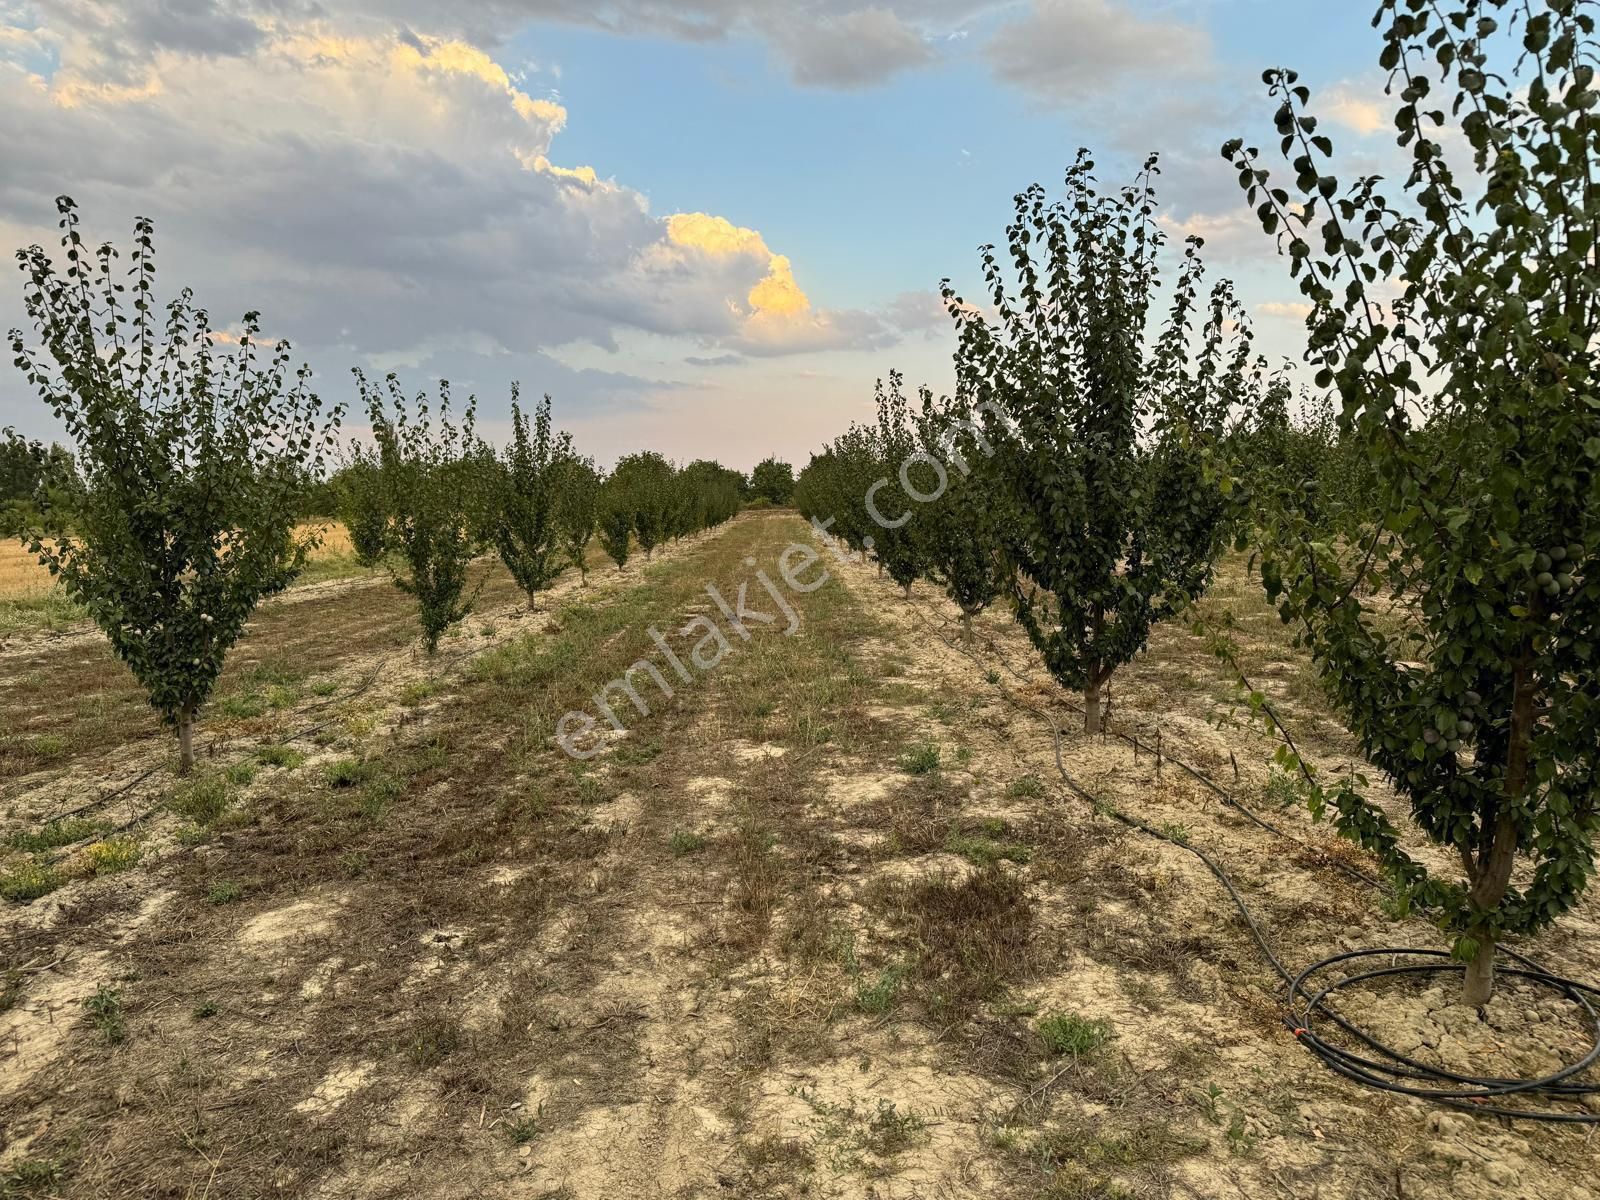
column 704, row 228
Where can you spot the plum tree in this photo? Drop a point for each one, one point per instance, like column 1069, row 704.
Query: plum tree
column 425, row 460
column 525, row 521
column 577, row 485
column 646, row 480
column 615, row 511
column 191, row 465
column 1107, row 523
column 960, row 539
column 1458, row 327
column 362, row 506
column 773, row 481
column 897, row 538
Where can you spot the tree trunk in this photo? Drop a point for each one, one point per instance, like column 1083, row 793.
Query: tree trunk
column 533, row 600
column 1490, row 872
column 966, row 627
column 1479, row 986
column 908, row 589
column 583, row 575
column 186, row 741
column 1091, row 705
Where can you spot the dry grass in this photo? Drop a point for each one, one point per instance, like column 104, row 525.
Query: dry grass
column 22, row 578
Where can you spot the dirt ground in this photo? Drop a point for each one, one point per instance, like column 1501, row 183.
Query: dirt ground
column 826, row 922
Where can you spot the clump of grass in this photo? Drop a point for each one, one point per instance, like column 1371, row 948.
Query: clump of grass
column 28, row 880
column 105, row 1014
column 32, row 1177
column 968, row 938
column 202, row 800
column 433, row 1040
column 986, row 851
column 920, row 759
column 205, row 1010
column 1029, row 787
column 878, row 997
column 46, row 746
column 1146, row 1144
column 524, row 1131
column 635, row 753
column 56, row 834
column 112, row 855
column 226, row 891
column 279, row 756
column 1068, row 1033
column 353, row 863
column 241, row 774
column 1285, row 789
column 346, row 773
column 414, row 694
column 684, row 842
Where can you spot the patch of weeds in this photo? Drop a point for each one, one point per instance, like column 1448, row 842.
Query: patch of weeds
column 346, row 773
column 105, row 1013
column 279, row 756
column 1285, row 789
column 919, row 759
column 525, row 1129
column 1068, row 1033
column 415, row 693
column 883, row 1132
column 878, row 997
column 33, row 1177
column 29, row 880
column 353, row 863
column 1029, row 787
column 1097, row 1149
column 684, row 842
column 112, row 855
column 45, row 746
column 226, row 891
column 635, row 752
column 1240, row 1138
column 992, row 677
column 324, row 688
column 968, row 937
column 242, row 707
column 963, row 755
column 1178, row 833
column 433, row 1040
column 56, row 834
column 205, row 1010
column 778, row 1158
column 241, row 774
column 986, row 851
column 591, row 790
column 202, row 800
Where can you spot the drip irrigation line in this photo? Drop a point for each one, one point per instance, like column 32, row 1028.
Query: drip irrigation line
column 1378, row 1066
column 1195, row 773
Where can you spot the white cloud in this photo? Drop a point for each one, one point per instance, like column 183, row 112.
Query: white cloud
column 385, row 198
column 1293, row 310
column 1072, row 51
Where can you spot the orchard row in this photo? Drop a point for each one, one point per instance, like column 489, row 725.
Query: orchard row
column 1427, row 518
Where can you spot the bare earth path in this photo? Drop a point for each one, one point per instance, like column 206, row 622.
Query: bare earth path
column 824, row 923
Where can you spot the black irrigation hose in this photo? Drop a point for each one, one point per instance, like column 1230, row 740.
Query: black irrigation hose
column 1384, row 1068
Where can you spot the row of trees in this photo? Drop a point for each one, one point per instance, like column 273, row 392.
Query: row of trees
column 180, row 510
column 1428, row 524
column 429, row 496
